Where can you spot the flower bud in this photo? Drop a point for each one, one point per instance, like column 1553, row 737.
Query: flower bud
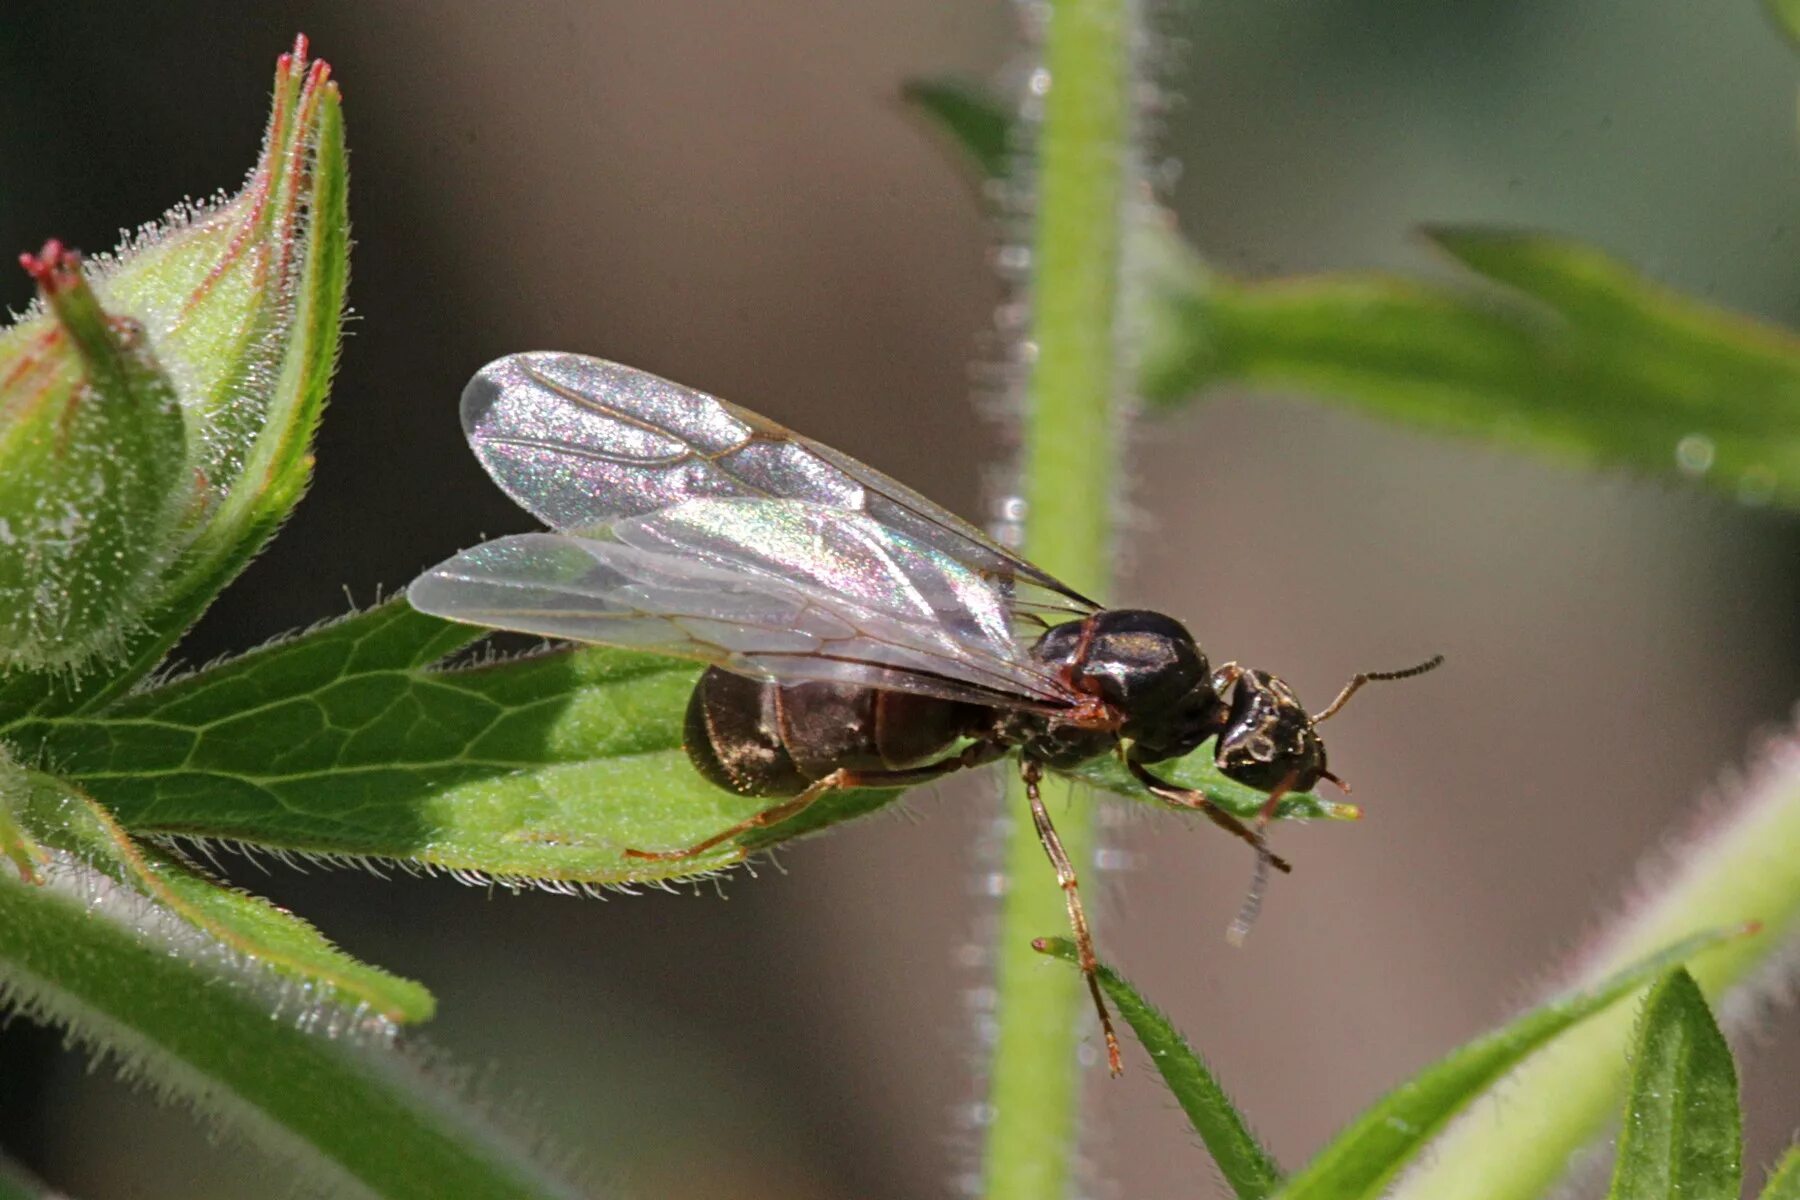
column 93, row 462
column 157, row 408
column 243, row 300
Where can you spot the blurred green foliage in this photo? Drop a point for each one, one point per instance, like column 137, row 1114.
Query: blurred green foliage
column 1568, row 353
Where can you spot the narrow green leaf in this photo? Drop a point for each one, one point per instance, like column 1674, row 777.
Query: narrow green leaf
column 16, row 1183
column 1361, row 1160
column 241, row 925
column 1247, row 1167
column 349, row 1116
column 1784, row 1182
column 1744, row 868
column 1682, row 1136
column 1198, row 771
column 971, row 118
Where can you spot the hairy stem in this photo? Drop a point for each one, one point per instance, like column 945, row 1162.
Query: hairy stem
column 1083, row 157
column 303, row 1080
column 1747, row 868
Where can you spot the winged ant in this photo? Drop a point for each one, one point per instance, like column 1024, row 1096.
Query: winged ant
column 857, row 635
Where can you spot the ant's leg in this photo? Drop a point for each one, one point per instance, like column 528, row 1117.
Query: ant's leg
column 763, row 819
column 974, row 755
column 1065, row 877
column 1266, row 813
column 1259, row 875
column 1196, row 801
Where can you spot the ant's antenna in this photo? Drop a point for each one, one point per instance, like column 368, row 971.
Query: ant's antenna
column 1259, row 877
column 1355, row 684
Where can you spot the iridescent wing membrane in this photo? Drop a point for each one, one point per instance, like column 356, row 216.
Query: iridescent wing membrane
column 693, row 527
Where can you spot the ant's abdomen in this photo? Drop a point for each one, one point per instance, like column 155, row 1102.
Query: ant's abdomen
column 733, row 736
column 758, row 738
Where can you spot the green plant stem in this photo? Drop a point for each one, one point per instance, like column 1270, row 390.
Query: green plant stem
column 1083, row 155
column 1747, row 869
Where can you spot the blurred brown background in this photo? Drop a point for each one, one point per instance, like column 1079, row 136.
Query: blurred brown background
column 735, row 197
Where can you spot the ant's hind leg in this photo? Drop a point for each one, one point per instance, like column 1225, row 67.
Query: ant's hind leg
column 1065, row 877
column 977, row 754
column 761, row 820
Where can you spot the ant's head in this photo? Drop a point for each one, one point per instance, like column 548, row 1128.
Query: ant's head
column 1271, row 743
column 1148, row 667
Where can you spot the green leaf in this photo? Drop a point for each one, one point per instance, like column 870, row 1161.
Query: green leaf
column 1361, row 1160
column 16, row 845
column 1784, row 1182
column 970, row 117
column 245, row 927
column 16, row 1183
column 1246, row 1166
column 1744, row 872
column 1682, row 1136
column 345, row 741
column 1579, row 358
column 350, row 1116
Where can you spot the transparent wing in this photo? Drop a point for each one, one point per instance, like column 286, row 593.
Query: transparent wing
column 776, row 590
column 583, row 443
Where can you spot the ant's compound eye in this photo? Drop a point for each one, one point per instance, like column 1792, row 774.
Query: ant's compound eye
column 1261, row 748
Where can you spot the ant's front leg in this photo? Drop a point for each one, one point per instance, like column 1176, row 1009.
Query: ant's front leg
column 1265, row 858
column 1194, row 800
